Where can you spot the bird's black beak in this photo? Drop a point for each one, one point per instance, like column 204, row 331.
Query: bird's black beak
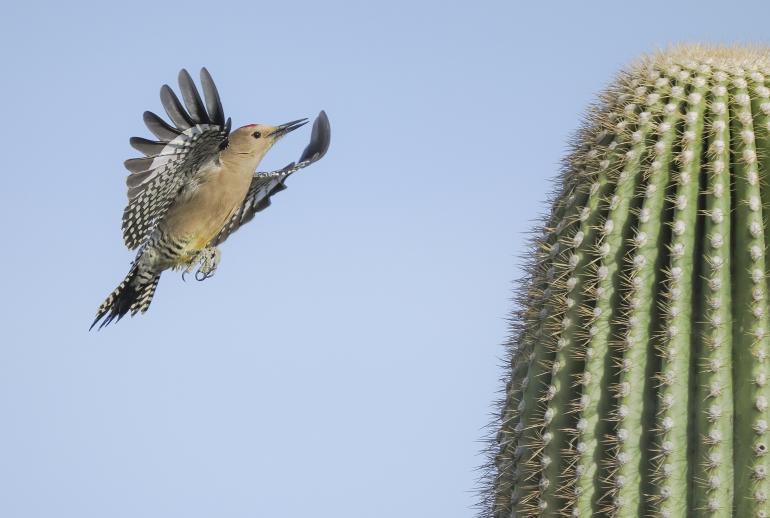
column 283, row 129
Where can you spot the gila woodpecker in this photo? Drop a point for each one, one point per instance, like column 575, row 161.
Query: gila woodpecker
column 196, row 185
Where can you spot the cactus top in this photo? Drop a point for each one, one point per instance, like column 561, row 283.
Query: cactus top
column 638, row 364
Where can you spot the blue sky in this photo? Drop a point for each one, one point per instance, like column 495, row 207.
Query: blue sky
column 342, row 361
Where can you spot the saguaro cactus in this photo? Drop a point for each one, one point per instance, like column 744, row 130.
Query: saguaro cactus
column 638, row 382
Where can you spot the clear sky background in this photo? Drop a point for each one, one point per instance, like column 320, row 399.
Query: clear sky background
column 342, row 361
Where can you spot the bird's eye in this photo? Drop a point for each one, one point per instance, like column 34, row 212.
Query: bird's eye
column 256, row 134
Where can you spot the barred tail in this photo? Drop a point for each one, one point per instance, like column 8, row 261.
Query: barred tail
column 134, row 294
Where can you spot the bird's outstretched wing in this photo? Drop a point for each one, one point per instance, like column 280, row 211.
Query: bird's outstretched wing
column 196, row 137
column 266, row 184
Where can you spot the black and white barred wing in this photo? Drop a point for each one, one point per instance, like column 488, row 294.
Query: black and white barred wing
column 196, row 137
column 265, row 185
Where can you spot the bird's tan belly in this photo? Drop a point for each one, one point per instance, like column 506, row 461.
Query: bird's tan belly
column 196, row 219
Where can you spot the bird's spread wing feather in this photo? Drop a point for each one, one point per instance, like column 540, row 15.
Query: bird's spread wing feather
column 266, row 184
column 182, row 149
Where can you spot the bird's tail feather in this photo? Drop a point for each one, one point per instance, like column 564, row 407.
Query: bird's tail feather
column 134, row 294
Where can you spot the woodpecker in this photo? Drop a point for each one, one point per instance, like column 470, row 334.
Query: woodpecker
column 197, row 184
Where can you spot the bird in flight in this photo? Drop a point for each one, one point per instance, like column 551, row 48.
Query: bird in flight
column 197, row 184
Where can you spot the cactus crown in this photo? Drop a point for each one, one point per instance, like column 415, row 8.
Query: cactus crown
column 637, row 375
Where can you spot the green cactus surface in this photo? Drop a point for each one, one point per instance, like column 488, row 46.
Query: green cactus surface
column 637, row 379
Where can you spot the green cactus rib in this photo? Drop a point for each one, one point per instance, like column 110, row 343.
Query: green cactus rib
column 603, row 288
column 631, row 452
column 672, row 470
column 534, row 414
column 532, row 301
column 567, row 359
column 761, row 109
column 750, row 332
column 637, row 377
column 713, row 401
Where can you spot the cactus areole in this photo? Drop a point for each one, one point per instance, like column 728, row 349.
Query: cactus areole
column 639, row 359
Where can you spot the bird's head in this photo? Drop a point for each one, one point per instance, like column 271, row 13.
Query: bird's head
column 257, row 139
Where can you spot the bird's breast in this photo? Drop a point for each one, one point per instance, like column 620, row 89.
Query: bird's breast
column 200, row 214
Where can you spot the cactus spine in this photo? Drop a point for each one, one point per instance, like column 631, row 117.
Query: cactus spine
column 639, row 352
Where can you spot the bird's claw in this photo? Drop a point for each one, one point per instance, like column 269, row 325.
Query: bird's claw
column 207, row 261
column 200, row 275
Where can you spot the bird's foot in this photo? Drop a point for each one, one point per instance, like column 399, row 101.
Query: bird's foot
column 207, row 259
